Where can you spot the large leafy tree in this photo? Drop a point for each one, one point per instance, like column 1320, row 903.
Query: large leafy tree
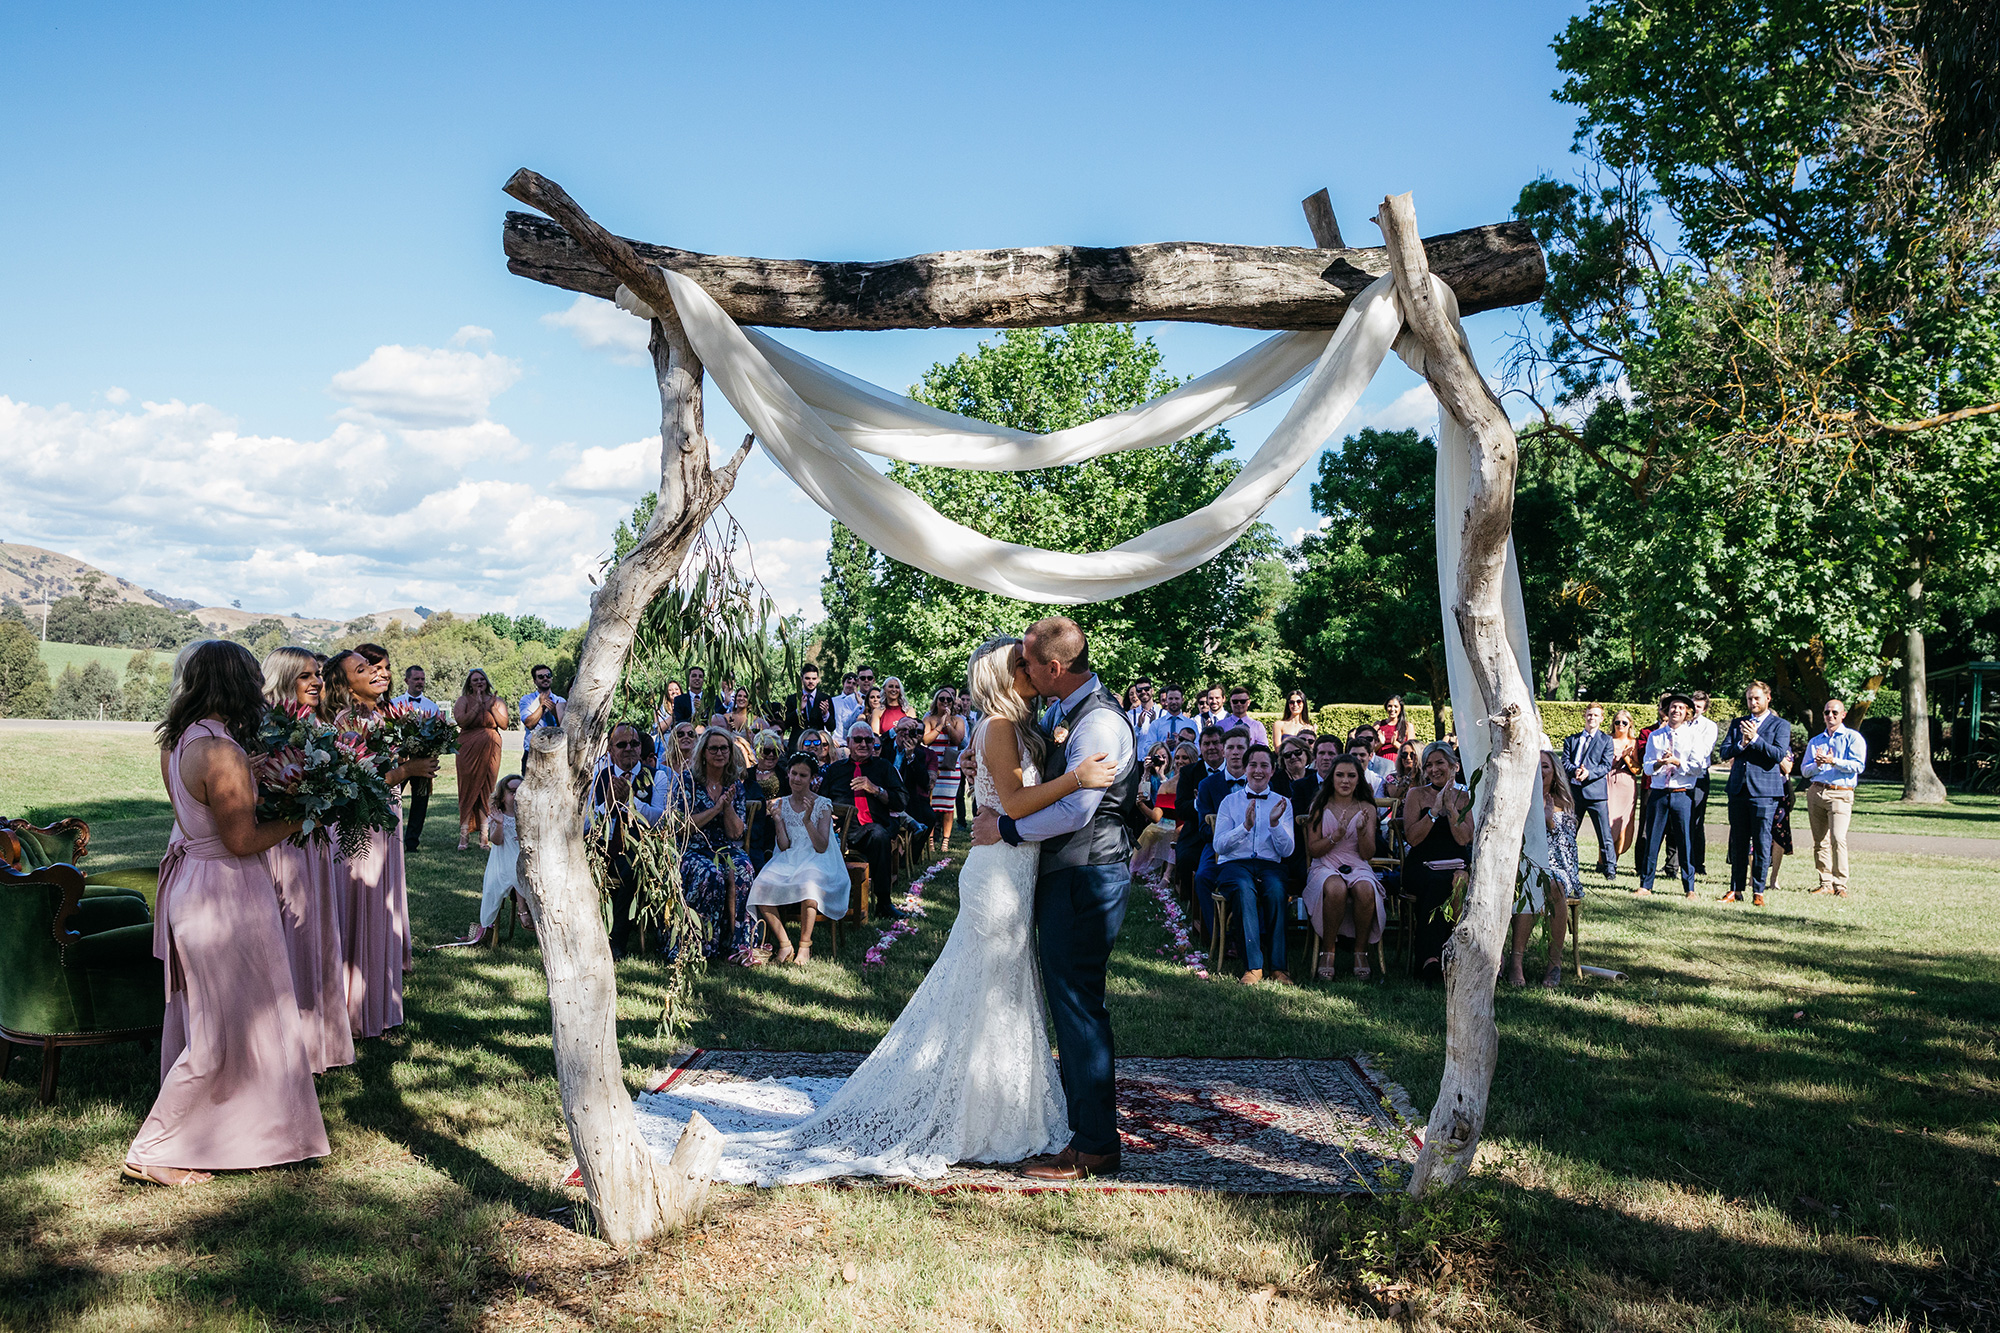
column 1771, row 319
column 918, row 626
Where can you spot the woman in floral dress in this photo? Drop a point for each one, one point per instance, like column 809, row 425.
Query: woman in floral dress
column 715, row 806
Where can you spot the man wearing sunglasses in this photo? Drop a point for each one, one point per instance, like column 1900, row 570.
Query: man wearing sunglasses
column 868, row 782
column 1834, row 760
column 624, row 790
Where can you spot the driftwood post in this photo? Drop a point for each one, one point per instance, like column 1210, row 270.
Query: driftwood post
column 1506, row 792
column 631, row 1195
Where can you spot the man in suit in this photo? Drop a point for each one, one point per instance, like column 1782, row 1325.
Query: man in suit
column 1189, row 835
column 622, row 790
column 868, row 782
column 1758, row 743
column 811, row 709
column 1586, row 761
column 1207, row 800
column 692, row 706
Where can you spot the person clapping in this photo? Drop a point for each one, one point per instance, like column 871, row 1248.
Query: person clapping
column 1253, row 836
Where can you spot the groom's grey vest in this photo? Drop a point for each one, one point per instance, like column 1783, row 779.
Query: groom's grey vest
column 1107, row 838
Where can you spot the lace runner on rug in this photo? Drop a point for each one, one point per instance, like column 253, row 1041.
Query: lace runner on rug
column 1234, row 1126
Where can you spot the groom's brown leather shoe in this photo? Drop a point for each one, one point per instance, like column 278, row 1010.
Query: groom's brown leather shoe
column 1073, row 1165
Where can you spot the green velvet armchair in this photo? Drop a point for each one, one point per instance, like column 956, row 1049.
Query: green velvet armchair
column 66, row 842
column 76, row 966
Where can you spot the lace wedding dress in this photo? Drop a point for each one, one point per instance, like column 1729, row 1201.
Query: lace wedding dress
column 964, row 1075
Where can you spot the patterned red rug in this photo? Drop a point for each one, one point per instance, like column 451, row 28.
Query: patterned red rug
column 1235, row 1126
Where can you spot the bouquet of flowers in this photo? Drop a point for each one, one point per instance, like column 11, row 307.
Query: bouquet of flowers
column 325, row 777
column 408, row 732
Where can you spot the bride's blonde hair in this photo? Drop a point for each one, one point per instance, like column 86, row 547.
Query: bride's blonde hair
column 991, row 685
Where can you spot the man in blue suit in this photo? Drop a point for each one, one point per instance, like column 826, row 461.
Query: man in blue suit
column 1757, row 743
column 1586, row 759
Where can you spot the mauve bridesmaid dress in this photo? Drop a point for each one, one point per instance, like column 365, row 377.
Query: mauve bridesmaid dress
column 375, row 935
column 311, row 902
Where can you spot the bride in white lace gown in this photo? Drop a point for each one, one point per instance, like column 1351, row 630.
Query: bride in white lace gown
column 965, row 1074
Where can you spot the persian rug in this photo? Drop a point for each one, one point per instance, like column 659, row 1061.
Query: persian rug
column 1232, row 1126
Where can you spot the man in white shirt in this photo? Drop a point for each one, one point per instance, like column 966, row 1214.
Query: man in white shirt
column 1675, row 756
column 1168, row 721
column 846, row 705
column 1141, row 715
column 420, row 788
column 1708, row 736
column 622, row 783
column 1238, row 718
column 540, row 707
column 1253, row 836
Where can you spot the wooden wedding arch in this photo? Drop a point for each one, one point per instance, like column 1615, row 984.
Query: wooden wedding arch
column 632, row 1195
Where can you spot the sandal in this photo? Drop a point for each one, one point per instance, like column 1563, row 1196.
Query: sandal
column 800, row 956
column 1362, row 972
column 149, row 1175
column 1325, row 970
column 1554, row 979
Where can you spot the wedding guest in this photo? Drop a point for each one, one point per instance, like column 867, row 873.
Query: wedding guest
column 624, row 793
column 1834, row 762
column 236, row 1087
column 503, row 865
column 1781, row 818
column 1409, row 774
column 542, row 709
column 1343, row 893
column 1672, row 760
column 715, row 873
column 1566, row 886
column 917, row 767
column 1759, row 748
column 692, row 707
column 1395, row 728
column 1140, row 710
column 809, row 707
column 1156, row 843
column 1437, row 820
column 813, row 745
column 893, row 709
column 1706, row 736
column 412, row 696
column 1588, row 758
column 944, row 735
column 1168, row 724
column 1622, row 786
column 1193, row 832
column 663, row 716
column 1207, row 802
column 869, row 783
column 848, row 703
column 1253, row 836
column 872, row 709
column 1365, row 744
column 1238, row 718
column 309, row 881
column 1295, row 720
column 765, row 784
column 375, row 934
column 1296, row 779
column 481, row 716
column 808, row 868
column 680, row 749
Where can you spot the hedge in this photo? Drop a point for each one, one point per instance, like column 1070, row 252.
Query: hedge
column 1561, row 718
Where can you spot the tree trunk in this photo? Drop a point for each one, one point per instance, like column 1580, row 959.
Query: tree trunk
column 1921, row 784
column 632, row 1196
column 1506, row 792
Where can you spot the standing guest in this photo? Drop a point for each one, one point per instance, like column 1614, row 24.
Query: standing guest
column 1395, row 728
column 481, row 716
column 725, row 699
column 420, row 788
column 1588, row 758
column 1212, row 710
column 1253, row 836
column 1295, row 720
column 1409, row 774
column 872, row 709
column 1781, row 818
column 663, row 716
column 309, row 881
column 375, row 935
column 1141, row 711
column 1760, row 745
column 1834, row 761
column 944, row 735
column 503, row 863
column 893, row 708
column 1672, row 762
column 1706, row 736
column 623, row 784
column 542, row 709
column 846, row 704
column 869, row 783
column 810, row 706
column 808, row 868
column 855, row 706
column 1366, row 742
column 1622, row 786
column 1166, row 726
column 1565, row 884
column 917, row 767
column 692, row 706
column 736, row 720
column 1437, row 820
column 1239, row 719
column 1343, row 893
column 236, row 1086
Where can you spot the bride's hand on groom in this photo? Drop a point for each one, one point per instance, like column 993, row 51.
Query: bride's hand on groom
column 985, row 829
column 1095, row 772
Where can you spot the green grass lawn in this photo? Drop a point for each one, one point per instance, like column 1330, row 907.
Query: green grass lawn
column 1785, row 1119
column 59, row 655
column 1879, row 808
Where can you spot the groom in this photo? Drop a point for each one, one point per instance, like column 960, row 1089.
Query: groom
column 1080, row 892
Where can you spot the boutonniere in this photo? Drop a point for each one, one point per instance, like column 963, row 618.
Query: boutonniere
column 1060, row 735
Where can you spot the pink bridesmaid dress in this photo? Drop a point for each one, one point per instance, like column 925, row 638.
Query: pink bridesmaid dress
column 235, row 1089
column 375, row 935
column 312, row 904
column 1360, row 876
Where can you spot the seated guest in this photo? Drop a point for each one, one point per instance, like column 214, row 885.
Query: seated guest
column 1253, row 836
column 623, row 784
column 236, row 1088
column 1156, row 843
column 1407, row 777
column 1207, row 802
column 678, row 754
column 1193, row 834
column 1437, row 820
column 871, row 785
column 715, row 872
column 1378, row 769
column 1343, row 893
column 764, row 784
column 917, row 766
column 1294, row 768
column 808, row 868
column 663, row 716
column 812, row 744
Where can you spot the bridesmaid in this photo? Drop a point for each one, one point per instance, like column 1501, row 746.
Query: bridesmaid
column 236, row 1092
column 481, row 716
column 375, row 935
column 310, row 881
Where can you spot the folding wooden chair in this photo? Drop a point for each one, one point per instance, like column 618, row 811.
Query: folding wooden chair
column 1218, row 934
column 858, row 880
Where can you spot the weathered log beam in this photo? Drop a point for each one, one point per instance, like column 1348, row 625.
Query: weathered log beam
column 1251, row 286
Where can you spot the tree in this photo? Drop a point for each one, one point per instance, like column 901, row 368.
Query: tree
column 87, row 694
column 148, row 681
column 918, row 626
column 24, row 677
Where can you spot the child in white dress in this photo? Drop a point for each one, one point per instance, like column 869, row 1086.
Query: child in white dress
column 808, row 868
column 503, row 860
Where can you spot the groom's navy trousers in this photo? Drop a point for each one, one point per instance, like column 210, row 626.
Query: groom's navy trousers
column 1077, row 913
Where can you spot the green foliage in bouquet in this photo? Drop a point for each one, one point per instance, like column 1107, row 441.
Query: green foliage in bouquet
column 324, row 777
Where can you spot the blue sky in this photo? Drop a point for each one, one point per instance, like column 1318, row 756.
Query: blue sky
column 260, row 341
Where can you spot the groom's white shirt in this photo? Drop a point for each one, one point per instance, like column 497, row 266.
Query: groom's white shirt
column 1102, row 730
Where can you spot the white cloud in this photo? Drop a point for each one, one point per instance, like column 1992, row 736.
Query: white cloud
column 790, row 568
column 424, row 386
column 117, row 396
column 602, row 327
column 1412, row 409
column 623, row 470
column 469, row 334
